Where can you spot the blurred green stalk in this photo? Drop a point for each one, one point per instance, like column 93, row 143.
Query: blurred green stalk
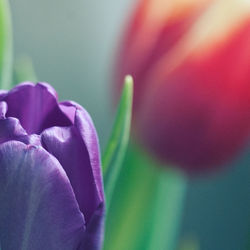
column 24, row 70
column 6, row 54
column 167, row 214
column 147, row 205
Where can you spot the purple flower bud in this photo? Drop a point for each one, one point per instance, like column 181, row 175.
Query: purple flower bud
column 51, row 191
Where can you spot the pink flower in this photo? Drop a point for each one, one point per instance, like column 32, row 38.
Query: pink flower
column 190, row 60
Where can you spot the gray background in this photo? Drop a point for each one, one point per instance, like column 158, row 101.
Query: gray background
column 72, row 44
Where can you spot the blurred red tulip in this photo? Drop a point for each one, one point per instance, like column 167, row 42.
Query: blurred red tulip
column 190, row 60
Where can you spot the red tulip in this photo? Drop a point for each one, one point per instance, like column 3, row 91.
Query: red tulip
column 190, row 60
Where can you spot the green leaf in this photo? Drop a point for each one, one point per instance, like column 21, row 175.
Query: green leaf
column 117, row 145
column 24, row 70
column 5, row 45
column 147, row 206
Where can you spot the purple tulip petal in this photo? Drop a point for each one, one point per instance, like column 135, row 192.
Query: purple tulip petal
column 38, row 207
column 35, row 106
column 93, row 236
column 77, row 150
column 69, row 109
column 11, row 129
column 3, row 93
column 84, row 124
column 3, row 109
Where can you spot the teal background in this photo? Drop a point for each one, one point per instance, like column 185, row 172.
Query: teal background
column 72, row 45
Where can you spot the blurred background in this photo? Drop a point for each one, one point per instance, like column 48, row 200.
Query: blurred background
column 72, row 45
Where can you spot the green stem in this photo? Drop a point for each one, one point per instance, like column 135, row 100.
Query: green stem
column 147, row 206
column 168, row 209
column 5, row 45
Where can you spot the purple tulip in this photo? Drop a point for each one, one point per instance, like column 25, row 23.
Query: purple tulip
column 51, row 191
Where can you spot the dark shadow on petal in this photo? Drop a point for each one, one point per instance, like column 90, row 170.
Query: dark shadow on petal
column 94, row 234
